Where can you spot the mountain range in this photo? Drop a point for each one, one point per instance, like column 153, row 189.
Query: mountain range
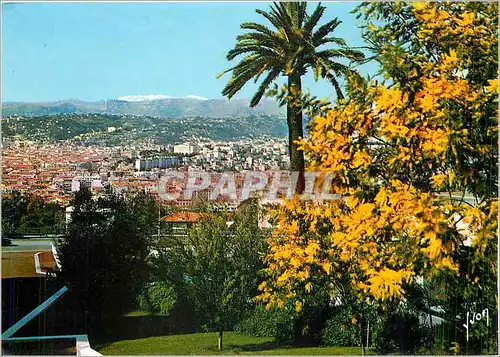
column 164, row 107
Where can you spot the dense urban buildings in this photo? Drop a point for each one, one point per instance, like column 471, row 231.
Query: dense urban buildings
column 54, row 171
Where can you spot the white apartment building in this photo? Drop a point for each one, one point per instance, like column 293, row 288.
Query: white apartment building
column 186, row 148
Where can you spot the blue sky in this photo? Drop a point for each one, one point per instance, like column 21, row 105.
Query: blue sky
column 95, row 51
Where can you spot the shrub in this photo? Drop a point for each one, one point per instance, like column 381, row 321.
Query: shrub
column 158, row 298
column 277, row 323
column 339, row 330
column 311, row 323
column 401, row 332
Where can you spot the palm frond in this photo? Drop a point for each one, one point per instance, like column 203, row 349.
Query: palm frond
column 256, row 61
column 324, row 30
column 281, row 10
column 302, row 15
column 336, row 40
column 336, row 85
column 260, row 39
column 257, row 27
column 263, row 69
column 264, row 86
column 245, row 61
column 338, row 68
column 256, row 49
column 241, row 77
column 237, row 82
column 312, row 20
column 275, row 22
column 296, row 11
column 353, row 55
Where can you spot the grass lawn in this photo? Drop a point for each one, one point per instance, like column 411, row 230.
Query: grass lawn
column 206, row 344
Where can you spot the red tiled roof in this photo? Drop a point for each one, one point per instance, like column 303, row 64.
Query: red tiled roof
column 190, row 217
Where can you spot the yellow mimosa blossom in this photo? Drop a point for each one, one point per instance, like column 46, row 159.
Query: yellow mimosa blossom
column 492, row 86
column 298, row 306
column 399, row 152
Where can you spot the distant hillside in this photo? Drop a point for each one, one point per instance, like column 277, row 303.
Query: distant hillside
column 162, row 108
column 52, row 108
column 128, row 129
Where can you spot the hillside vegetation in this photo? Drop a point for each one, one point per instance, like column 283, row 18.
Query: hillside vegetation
column 93, row 128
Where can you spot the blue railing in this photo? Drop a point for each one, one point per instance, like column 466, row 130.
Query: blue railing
column 81, row 340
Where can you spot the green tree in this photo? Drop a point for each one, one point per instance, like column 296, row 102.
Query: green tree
column 159, row 297
column 104, row 254
column 30, row 213
column 294, row 45
column 216, row 266
column 13, row 209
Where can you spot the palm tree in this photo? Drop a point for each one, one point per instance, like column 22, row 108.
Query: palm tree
column 290, row 48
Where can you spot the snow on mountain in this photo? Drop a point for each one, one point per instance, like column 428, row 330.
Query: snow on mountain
column 196, row 97
column 143, row 98
column 151, row 97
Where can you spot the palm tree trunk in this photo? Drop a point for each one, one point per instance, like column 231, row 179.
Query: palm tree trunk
column 289, row 121
column 295, row 130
